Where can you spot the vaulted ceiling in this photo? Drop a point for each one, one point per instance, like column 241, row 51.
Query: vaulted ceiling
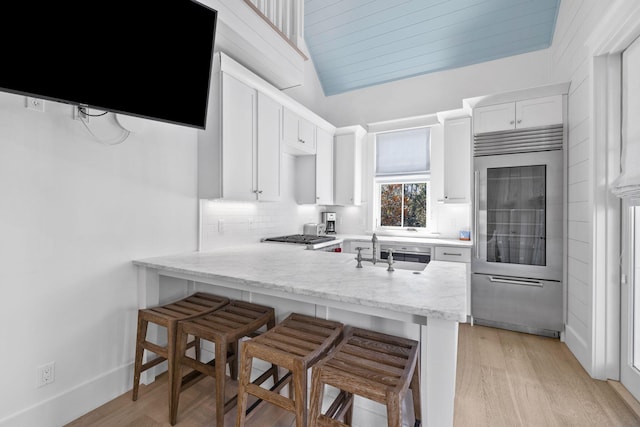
column 360, row 43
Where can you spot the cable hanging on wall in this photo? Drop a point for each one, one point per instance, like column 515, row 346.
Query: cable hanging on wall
column 84, row 115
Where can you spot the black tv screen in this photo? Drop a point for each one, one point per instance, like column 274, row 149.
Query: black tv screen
column 143, row 58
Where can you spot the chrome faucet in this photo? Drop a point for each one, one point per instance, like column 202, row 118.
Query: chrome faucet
column 374, row 257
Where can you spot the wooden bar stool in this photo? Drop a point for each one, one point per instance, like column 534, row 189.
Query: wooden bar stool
column 295, row 344
column 370, row 364
column 224, row 327
column 168, row 316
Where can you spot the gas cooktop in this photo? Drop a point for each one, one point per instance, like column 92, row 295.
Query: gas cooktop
column 303, row 239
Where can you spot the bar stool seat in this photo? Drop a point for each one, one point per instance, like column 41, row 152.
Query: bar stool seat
column 370, row 364
column 295, row 344
column 167, row 316
column 224, row 327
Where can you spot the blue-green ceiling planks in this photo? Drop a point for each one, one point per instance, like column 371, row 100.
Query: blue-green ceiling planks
column 359, row 43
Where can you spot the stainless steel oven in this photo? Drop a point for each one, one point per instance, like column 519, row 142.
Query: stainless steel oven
column 517, row 262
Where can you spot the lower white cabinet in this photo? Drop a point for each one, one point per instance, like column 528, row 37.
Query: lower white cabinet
column 448, row 253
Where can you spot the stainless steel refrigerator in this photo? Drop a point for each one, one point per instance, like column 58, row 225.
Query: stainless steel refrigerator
column 517, row 264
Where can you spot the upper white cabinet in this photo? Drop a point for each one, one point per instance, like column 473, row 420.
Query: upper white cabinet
column 543, row 111
column 348, row 165
column 268, row 147
column 240, row 152
column 457, row 160
column 249, row 148
column 314, row 174
column 298, row 134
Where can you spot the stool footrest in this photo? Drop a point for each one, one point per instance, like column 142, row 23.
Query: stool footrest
column 269, row 396
column 340, row 405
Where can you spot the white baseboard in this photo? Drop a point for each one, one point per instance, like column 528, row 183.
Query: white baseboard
column 71, row 404
column 579, row 348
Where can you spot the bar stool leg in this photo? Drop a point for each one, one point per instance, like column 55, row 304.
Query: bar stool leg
column 415, row 390
column 315, row 402
column 220, row 366
column 394, row 414
column 176, row 379
column 246, row 365
column 299, row 381
column 142, row 334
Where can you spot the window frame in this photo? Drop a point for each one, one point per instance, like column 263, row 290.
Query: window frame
column 402, row 179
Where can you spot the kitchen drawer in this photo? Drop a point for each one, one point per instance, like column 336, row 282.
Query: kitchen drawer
column 447, row 253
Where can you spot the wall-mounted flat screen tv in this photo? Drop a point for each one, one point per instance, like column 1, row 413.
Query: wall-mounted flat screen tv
column 143, row 58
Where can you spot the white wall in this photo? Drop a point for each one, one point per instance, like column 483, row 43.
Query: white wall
column 73, row 215
column 571, row 62
column 248, row 222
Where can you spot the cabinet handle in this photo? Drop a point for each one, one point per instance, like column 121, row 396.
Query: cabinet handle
column 520, row 121
column 458, row 198
column 301, row 140
column 260, row 192
column 451, row 253
column 511, row 122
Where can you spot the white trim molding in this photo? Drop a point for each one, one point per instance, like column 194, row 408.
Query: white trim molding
column 614, row 33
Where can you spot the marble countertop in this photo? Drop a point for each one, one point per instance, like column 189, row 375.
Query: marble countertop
column 440, row 291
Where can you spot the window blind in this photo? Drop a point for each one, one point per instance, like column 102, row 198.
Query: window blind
column 403, row 152
column 627, row 185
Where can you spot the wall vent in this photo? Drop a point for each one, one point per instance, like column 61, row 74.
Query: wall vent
column 545, row 138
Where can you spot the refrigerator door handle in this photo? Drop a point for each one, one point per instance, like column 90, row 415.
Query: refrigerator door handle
column 476, row 207
column 522, row 282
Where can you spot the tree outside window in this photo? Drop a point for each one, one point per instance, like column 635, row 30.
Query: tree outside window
column 403, row 205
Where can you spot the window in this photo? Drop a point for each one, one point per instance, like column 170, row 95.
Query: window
column 402, row 178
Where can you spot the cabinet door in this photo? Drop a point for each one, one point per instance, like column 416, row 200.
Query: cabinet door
column 298, row 134
column 347, row 173
column 457, row 160
column 539, row 112
column 307, row 135
column 494, row 118
column 324, row 167
column 238, row 140
column 269, row 112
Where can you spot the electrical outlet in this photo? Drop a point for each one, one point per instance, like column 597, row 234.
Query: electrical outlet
column 80, row 114
column 46, row 374
column 35, row 104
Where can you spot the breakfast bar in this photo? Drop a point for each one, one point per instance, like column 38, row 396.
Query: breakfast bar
column 430, row 303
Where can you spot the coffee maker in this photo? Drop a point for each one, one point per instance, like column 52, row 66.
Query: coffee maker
column 329, row 220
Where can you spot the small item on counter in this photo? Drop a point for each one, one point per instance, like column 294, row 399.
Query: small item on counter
column 465, row 234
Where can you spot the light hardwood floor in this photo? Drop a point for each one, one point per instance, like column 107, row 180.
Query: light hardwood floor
column 504, row 379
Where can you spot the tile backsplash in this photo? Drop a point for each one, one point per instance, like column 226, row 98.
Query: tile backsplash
column 225, row 223
column 231, row 223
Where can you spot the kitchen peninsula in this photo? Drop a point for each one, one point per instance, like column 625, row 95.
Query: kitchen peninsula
column 425, row 305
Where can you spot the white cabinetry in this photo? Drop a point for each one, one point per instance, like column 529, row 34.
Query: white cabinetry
column 298, row 134
column 457, row 160
column 348, row 165
column 239, row 153
column 324, row 167
column 449, row 253
column 314, row 174
column 244, row 164
column 528, row 113
column 268, row 146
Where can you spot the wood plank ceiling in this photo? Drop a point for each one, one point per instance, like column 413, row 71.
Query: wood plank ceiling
column 360, row 43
